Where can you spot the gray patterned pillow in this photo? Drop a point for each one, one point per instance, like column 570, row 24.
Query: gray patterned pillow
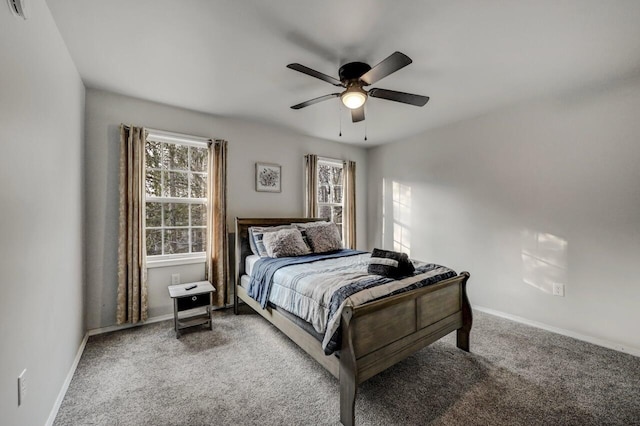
column 284, row 243
column 324, row 238
column 303, row 229
column 310, row 224
column 256, row 234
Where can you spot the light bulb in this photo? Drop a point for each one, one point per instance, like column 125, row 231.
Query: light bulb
column 353, row 97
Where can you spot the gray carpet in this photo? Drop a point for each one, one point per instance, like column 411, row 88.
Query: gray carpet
column 245, row 372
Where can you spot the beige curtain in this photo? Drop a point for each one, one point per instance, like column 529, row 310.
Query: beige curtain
column 349, row 212
column 132, row 270
column 217, row 269
column 311, row 184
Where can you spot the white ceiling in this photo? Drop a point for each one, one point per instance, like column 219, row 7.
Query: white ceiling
column 228, row 57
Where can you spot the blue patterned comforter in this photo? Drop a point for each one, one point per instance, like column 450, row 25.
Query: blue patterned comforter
column 316, row 288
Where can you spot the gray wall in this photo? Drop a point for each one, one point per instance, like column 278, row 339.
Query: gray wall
column 545, row 192
column 248, row 142
column 41, row 255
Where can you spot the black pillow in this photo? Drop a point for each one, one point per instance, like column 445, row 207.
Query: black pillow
column 390, row 264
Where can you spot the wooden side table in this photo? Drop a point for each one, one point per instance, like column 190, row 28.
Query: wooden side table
column 185, row 297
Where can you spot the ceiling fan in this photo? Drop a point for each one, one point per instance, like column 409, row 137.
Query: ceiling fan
column 355, row 75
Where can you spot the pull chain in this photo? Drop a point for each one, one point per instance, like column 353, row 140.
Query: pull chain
column 365, row 130
column 340, row 135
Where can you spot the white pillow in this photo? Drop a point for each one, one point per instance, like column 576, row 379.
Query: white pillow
column 284, row 243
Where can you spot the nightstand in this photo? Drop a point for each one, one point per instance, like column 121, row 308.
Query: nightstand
column 186, row 298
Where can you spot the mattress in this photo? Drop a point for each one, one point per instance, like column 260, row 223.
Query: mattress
column 249, row 262
column 244, row 281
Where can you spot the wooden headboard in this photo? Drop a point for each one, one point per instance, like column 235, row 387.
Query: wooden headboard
column 243, row 249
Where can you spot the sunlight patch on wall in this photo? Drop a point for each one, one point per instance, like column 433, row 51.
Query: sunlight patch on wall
column 401, row 217
column 396, row 216
column 544, row 260
column 385, row 227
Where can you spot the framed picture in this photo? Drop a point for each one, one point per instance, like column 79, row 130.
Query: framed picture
column 268, row 177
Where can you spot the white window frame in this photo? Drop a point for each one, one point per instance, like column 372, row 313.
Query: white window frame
column 334, row 163
column 162, row 260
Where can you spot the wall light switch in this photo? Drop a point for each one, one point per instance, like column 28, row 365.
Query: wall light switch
column 175, row 279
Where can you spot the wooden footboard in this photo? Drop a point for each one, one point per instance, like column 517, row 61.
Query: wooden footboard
column 375, row 335
column 379, row 334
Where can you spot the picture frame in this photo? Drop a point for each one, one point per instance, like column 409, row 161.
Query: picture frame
column 268, row 177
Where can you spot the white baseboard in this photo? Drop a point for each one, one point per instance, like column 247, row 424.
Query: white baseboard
column 590, row 339
column 111, row 328
column 151, row 320
column 67, row 381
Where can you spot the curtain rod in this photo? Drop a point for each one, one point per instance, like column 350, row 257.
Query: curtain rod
column 330, row 160
column 175, row 135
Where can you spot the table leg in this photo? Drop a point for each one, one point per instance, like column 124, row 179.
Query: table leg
column 175, row 317
column 210, row 311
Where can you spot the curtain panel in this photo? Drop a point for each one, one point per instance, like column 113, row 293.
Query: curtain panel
column 311, row 185
column 349, row 209
column 217, row 268
column 132, row 270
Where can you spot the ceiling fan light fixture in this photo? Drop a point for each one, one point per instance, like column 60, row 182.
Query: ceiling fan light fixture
column 354, row 97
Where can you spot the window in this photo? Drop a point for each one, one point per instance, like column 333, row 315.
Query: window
column 330, row 185
column 176, row 175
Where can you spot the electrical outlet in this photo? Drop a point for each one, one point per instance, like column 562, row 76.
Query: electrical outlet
column 22, row 387
column 175, row 279
column 558, row 289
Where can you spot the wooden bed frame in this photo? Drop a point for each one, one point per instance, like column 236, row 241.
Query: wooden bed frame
column 375, row 335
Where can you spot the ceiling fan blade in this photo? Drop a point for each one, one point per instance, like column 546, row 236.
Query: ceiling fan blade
column 405, row 98
column 314, row 73
column 315, row 100
column 357, row 114
column 391, row 64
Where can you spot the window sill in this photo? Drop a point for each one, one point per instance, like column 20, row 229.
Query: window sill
column 162, row 263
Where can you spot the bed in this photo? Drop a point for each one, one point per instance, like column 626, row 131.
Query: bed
column 374, row 335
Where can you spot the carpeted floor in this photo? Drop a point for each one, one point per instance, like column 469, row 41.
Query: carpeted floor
column 245, row 372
